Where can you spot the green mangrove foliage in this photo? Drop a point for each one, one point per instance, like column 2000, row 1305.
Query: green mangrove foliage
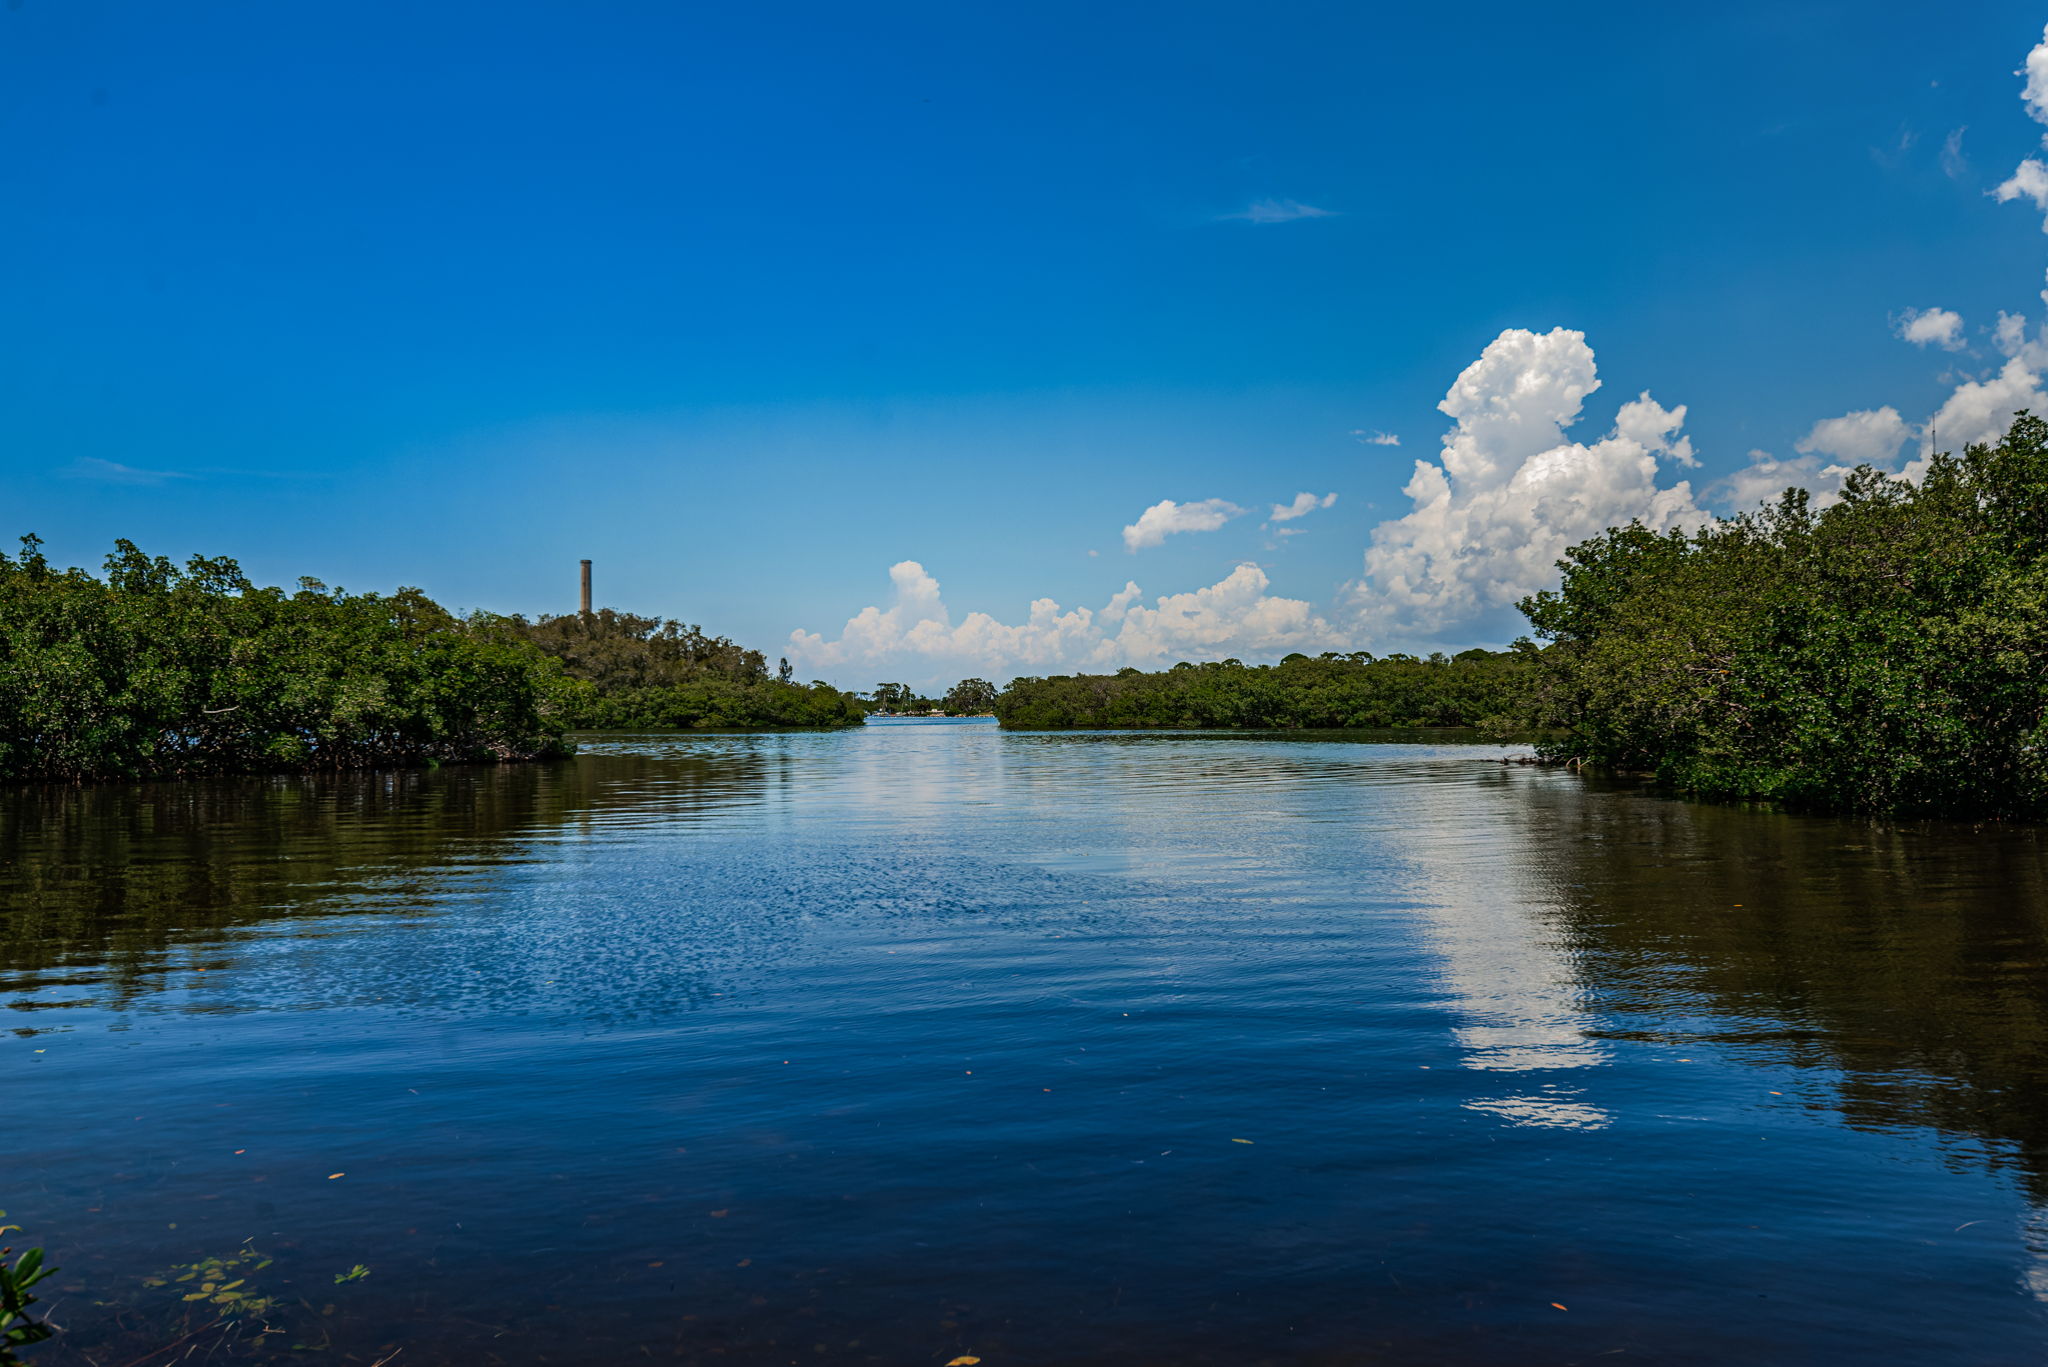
column 158, row 672
column 633, row 673
column 18, row 1327
column 1887, row 654
column 1475, row 688
column 969, row 698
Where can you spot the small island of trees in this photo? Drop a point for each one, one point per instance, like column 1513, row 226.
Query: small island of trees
column 1486, row 688
column 968, row 698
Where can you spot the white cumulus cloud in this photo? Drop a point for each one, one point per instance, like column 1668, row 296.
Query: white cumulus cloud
column 1303, row 505
column 1981, row 410
column 917, row 636
column 1942, row 327
column 1766, row 477
column 1490, row 516
column 1827, row 453
column 2035, row 93
column 1512, row 491
column 1872, row 436
column 1979, row 407
column 1166, row 518
column 2030, row 180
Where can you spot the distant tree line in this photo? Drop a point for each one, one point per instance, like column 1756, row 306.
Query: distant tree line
column 968, row 698
column 1887, row 654
column 630, row 673
column 1484, row 688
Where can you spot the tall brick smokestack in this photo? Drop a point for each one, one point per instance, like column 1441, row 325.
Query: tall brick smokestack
column 586, row 589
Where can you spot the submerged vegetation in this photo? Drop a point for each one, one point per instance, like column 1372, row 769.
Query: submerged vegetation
column 1483, row 688
column 1886, row 654
column 19, row 1327
column 162, row 671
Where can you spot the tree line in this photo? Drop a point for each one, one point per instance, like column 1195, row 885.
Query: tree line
column 1885, row 654
column 157, row 671
column 968, row 698
column 631, row 673
column 1482, row 688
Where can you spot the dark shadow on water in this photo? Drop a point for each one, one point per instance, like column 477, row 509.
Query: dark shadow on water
column 99, row 885
column 1912, row 957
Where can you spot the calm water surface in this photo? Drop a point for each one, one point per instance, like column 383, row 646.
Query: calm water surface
column 929, row 1041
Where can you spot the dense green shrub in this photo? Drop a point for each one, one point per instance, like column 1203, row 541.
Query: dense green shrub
column 1477, row 687
column 969, row 698
column 155, row 671
column 632, row 673
column 1886, row 654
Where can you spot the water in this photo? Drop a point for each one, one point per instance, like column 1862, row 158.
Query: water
column 928, row 1041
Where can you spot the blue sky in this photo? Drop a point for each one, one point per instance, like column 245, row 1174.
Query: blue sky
column 752, row 303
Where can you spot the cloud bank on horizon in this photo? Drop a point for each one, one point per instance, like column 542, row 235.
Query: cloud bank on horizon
column 1510, row 490
column 916, row 634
